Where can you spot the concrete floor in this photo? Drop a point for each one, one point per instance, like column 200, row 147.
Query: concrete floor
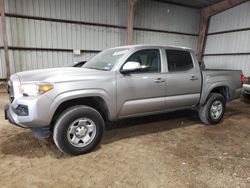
column 171, row 150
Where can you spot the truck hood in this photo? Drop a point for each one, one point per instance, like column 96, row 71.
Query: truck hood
column 54, row 75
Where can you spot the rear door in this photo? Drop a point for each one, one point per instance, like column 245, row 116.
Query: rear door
column 183, row 85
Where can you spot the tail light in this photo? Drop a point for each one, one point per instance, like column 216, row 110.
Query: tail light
column 242, row 79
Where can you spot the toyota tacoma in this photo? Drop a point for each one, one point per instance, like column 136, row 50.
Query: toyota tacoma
column 74, row 104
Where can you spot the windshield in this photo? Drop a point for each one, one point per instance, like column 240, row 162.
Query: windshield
column 106, row 59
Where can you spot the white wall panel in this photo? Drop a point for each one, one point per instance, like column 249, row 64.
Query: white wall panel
column 46, row 34
column 146, row 37
column 228, row 43
column 28, row 60
column 1, row 42
column 235, row 42
column 229, row 62
column 2, row 65
column 162, row 16
column 98, row 11
column 234, row 18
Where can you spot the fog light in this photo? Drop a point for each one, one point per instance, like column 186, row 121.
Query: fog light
column 22, row 110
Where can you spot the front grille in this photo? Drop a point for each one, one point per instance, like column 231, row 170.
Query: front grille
column 10, row 91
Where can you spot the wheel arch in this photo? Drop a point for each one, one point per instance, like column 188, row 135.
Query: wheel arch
column 223, row 90
column 220, row 88
column 99, row 100
column 95, row 102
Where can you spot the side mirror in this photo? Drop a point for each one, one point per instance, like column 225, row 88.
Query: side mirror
column 130, row 66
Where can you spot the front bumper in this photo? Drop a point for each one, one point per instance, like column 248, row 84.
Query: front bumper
column 40, row 132
column 8, row 116
column 27, row 112
column 38, row 112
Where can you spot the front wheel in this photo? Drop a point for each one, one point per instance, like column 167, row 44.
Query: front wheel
column 78, row 130
column 213, row 110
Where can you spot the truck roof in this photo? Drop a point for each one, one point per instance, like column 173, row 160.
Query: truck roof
column 155, row 46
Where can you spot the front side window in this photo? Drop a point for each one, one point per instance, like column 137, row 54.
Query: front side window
column 150, row 60
column 179, row 60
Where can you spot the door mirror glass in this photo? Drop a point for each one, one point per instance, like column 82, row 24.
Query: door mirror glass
column 130, row 66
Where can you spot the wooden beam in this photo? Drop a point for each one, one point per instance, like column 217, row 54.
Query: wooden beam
column 202, row 35
column 131, row 11
column 4, row 37
column 130, row 22
column 206, row 13
column 221, row 6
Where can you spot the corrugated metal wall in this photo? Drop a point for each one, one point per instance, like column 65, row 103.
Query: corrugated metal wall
column 231, row 42
column 147, row 37
column 2, row 63
column 166, row 17
column 51, row 34
column 24, row 32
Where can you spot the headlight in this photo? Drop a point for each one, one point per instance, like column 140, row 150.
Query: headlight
column 34, row 89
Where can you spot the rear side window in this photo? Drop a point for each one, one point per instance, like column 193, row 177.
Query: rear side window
column 179, row 60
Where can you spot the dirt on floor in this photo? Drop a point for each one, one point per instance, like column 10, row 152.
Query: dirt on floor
column 170, row 150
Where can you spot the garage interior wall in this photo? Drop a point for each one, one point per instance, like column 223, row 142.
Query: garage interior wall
column 228, row 40
column 166, row 24
column 28, row 29
column 43, row 33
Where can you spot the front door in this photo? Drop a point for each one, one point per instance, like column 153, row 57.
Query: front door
column 143, row 91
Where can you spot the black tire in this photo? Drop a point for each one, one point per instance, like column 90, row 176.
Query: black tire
column 61, row 128
column 204, row 111
column 245, row 98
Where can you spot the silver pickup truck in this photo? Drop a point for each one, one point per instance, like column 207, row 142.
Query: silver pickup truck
column 122, row 82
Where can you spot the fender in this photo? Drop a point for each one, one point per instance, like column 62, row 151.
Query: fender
column 111, row 105
column 209, row 87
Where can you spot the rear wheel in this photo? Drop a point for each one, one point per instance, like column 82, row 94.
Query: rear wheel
column 245, row 98
column 213, row 110
column 78, row 130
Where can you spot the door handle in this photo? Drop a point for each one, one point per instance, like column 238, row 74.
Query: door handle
column 193, row 78
column 159, row 80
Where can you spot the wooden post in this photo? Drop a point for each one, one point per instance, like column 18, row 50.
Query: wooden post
column 4, row 37
column 206, row 13
column 131, row 11
column 202, row 35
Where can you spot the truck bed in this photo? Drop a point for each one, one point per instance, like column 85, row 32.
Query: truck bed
column 213, row 78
